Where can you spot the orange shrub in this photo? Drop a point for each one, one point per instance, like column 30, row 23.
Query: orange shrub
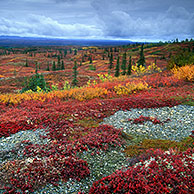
column 80, row 94
column 185, row 73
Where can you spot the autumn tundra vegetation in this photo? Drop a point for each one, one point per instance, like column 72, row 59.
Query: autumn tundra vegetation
column 68, row 91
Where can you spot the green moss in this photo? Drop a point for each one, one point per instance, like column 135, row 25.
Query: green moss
column 88, row 122
column 190, row 103
column 134, row 150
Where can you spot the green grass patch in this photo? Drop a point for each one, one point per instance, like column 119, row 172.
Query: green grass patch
column 87, row 123
column 190, row 103
column 145, row 144
column 92, row 68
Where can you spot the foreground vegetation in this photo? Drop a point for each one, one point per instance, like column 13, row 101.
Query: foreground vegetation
column 72, row 112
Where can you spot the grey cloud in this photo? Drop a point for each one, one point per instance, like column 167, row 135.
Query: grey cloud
column 65, row 1
column 44, row 26
column 131, row 19
column 178, row 13
column 119, row 21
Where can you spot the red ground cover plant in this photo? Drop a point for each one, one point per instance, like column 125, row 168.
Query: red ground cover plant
column 56, row 161
column 32, row 173
column 101, row 137
column 36, row 114
column 141, row 119
column 8, row 128
column 166, row 173
column 164, row 79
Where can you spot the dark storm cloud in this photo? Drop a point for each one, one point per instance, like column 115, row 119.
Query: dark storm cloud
column 146, row 19
column 131, row 19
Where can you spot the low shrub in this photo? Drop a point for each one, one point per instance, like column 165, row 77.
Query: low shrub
column 36, row 81
column 32, row 173
column 185, row 73
column 180, row 59
column 162, row 172
column 130, row 87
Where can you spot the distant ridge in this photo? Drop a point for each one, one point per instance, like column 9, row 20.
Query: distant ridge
column 16, row 41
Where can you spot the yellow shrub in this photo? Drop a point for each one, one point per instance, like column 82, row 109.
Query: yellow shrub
column 184, row 73
column 141, row 70
column 130, row 87
column 88, row 93
column 104, row 77
column 153, row 68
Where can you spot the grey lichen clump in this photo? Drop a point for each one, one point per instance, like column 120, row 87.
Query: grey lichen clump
column 102, row 164
column 176, row 122
column 11, row 148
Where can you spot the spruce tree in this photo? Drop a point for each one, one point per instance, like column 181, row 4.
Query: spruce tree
column 62, row 65
column 70, row 51
column 111, row 61
column 141, row 61
column 74, row 81
column 48, row 68
column 65, row 52
column 90, row 59
column 117, row 69
column 83, row 59
column 58, row 62
column 124, row 61
column 26, row 63
column 33, row 82
column 54, row 66
column 129, row 67
column 36, row 70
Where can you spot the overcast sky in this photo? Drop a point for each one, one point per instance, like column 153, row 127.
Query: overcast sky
column 99, row 19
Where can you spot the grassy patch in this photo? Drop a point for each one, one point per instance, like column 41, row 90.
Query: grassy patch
column 87, row 123
column 190, row 103
column 135, row 150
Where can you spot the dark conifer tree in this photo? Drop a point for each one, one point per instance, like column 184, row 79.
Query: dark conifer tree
column 75, row 72
column 54, row 66
column 26, row 63
column 129, row 67
column 124, row 61
column 48, row 68
column 65, row 52
column 58, row 62
column 62, row 65
column 36, row 70
column 117, row 69
column 111, row 61
column 141, row 61
column 90, row 59
column 70, row 51
column 83, row 59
